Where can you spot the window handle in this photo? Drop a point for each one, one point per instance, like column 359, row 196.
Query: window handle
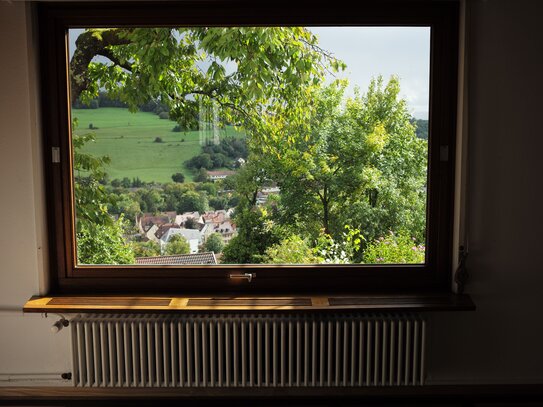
column 247, row 276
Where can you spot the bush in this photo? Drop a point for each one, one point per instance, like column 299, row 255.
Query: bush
column 164, row 115
column 158, row 140
column 214, row 243
column 394, row 248
column 201, row 176
column 178, row 177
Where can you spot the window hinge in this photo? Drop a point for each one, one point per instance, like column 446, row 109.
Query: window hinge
column 55, row 155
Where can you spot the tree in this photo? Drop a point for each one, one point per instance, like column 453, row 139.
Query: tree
column 214, row 243
column 292, row 250
column 256, row 232
column 177, row 245
column 178, row 177
column 102, row 243
column 99, row 238
column 191, row 223
column 192, row 201
column 165, row 64
column 201, row 175
column 394, row 248
column 146, row 249
column 150, row 200
column 360, row 165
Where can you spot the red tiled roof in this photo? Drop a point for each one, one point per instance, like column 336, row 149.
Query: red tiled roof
column 220, row 173
column 188, row 259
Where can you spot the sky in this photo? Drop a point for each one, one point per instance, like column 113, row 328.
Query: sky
column 372, row 51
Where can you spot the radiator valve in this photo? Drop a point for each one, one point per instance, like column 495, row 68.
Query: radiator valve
column 61, row 323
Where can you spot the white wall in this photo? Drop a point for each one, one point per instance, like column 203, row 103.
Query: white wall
column 26, row 345
column 499, row 343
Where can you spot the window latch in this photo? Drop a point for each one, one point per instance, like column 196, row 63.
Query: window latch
column 247, row 276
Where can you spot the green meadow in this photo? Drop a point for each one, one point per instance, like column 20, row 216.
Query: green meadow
column 129, row 140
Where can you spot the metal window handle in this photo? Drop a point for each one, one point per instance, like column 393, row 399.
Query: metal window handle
column 247, row 276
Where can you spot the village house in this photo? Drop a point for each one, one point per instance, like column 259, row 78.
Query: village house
column 193, row 237
column 179, row 259
column 216, row 175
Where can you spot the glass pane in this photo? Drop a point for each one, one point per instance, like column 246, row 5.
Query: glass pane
column 250, row 145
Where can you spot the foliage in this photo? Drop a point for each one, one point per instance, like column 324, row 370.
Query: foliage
column 178, row 177
column 292, row 250
column 164, row 115
column 166, row 64
column 177, row 245
column 191, row 223
column 394, row 248
column 146, row 249
column 421, row 128
column 102, row 243
column 150, row 200
column 200, row 161
column 158, row 140
column 201, row 175
column 360, row 165
column 214, row 243
column 125, row 204
column 345, row 250
column 256, row 232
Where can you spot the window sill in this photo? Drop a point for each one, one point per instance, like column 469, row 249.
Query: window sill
column 170, row 304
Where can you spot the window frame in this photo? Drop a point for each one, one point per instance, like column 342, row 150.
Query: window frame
column 434, row 276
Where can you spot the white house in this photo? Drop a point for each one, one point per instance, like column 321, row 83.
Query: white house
column 193, row 237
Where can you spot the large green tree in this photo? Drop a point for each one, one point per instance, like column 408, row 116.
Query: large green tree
column 249, row 73
column 359, row 164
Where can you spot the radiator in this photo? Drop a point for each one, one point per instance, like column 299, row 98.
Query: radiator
column 251, row 350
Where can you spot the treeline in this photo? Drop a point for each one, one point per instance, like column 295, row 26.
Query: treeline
column 219, row 155
column 103, row 100
column 155, row 198
column 421, row 128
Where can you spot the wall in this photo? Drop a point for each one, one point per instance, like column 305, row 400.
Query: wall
column 499, row 343
column 27, row 347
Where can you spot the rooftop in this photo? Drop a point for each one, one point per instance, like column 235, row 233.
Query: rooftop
column 197, row 258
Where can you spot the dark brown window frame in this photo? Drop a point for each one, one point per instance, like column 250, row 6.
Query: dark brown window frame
column 434, row 276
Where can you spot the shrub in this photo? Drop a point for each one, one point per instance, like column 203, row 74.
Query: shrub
column 214, row 243
column 164, row 115
column 394, row 248
column 158, row 140
column 178, row 177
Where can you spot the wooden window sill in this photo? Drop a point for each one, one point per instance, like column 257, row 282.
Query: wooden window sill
column 172, row 304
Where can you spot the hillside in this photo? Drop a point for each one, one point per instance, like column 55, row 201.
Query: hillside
column 129, row 140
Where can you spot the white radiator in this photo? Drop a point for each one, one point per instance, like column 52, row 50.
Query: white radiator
column 252, row 350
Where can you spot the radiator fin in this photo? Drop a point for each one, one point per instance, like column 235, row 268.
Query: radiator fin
column 247, row 350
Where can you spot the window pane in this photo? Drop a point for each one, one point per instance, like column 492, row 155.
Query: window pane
column 250, row 145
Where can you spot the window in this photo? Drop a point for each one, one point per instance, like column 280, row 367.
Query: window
column 325, row 255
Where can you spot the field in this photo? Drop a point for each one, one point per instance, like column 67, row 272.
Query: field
column 129, row 140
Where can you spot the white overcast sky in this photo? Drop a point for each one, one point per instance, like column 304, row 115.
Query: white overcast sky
column 372, row 51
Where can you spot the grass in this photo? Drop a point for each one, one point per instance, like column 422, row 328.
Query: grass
column 128, row 139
